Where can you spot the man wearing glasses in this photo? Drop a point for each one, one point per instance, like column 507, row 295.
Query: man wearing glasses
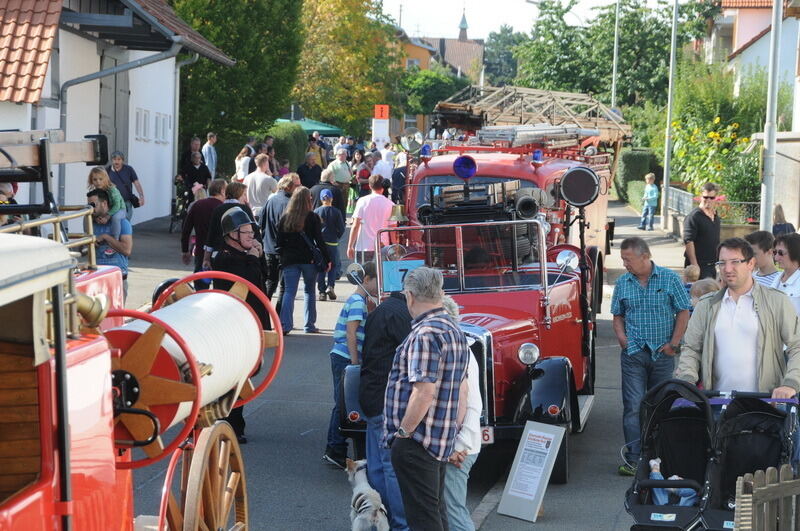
column 701, row 233
column 736, row 336
column 110, row 250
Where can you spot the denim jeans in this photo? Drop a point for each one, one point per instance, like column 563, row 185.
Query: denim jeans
column 648, row 213
column 336, row 442
column 333, row 274
column 291, row 275
column 639, row 374
column 455, row 494
column 381, row 474
column 688, row 497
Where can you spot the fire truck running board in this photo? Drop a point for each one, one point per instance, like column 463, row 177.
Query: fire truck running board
column 585, row 404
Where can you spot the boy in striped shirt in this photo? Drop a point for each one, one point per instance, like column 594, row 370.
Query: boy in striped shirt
column 762, row 243
column 348, row 337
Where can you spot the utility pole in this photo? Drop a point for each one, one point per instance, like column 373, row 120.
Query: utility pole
column 616, row 55
column 770, row 134
column 668, row 144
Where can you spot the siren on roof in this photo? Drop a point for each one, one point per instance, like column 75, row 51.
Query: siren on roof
column 465, row 167
column 580, row 186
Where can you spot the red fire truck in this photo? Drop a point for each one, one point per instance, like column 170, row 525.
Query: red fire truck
column 89, row 389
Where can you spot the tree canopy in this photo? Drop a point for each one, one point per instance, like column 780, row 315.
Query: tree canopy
column 579, row 58
column 349, row 63
column 501, row 66
column 232, row 101
column 425, row 88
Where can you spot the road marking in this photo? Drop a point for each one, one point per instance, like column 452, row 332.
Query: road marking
column 488, row 503
column 307, row 432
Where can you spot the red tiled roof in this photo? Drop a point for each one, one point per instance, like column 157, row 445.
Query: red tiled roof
column 193, row 40
column 27, row 30
column 734, row 4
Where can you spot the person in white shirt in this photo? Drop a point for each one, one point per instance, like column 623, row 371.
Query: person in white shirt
column 210, row 153
column 467, row 445
column 730, row 345
column 371, row 214
column 242, row 163
column 260, row 185
column 385, row 166
column 762, row 242
column 787, row 255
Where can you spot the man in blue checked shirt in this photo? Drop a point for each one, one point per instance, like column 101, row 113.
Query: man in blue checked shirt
column 651, row 312
column 421, row 412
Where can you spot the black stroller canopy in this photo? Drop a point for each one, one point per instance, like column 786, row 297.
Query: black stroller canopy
column 661, row 398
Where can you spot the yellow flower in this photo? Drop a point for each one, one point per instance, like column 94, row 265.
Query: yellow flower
column 693, row 139
column 716, row 120
column 675, row 124
column 745, row 140
column 696, row 131
column 735, row 125
column 733, row 135
column 710, row 134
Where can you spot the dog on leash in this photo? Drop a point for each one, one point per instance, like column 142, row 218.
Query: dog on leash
column 367, row 513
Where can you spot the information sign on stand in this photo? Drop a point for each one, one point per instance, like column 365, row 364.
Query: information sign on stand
column 530, row 473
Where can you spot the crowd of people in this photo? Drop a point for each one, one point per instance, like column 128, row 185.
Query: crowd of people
column 730, row 324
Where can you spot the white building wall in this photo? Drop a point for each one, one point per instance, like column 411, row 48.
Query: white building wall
column 15, row 116
column 151, row 124
column 757, row 54
column 77, row 57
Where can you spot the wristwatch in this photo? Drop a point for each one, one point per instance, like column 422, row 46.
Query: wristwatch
column 676, row 348
column 403, row 434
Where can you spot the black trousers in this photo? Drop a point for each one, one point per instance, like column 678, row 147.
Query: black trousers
column 421, row 481
column 274, row 279
column 198, row 266
column 236, row 420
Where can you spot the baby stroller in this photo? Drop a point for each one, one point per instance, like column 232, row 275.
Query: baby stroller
column 752, row 435
column 677, row 426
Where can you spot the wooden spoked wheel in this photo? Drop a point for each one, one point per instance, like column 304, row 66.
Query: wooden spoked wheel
column 215, row 489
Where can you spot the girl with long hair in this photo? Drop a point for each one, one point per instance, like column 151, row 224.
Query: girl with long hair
column 242, row 164
column 99, row 180
column 299, row 241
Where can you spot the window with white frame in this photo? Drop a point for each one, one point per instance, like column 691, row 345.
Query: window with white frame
column 409, row 120
column 145, row 125
column 166, row 126
column 412, row 63
column 138, row 130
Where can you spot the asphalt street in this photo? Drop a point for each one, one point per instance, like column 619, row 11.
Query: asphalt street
column 291, row 488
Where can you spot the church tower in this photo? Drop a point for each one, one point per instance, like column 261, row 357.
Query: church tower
column 462, row 27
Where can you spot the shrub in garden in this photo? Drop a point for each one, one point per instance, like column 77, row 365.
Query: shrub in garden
column 715, row 152
column 633, row 165
column 290, row 142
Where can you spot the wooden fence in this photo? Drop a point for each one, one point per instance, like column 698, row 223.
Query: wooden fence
column 768, row 501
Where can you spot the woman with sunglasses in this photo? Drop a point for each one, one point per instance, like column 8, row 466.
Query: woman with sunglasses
column 787, row 256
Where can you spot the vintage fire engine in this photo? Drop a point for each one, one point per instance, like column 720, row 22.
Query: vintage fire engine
column 507, row 215
column 88, row 389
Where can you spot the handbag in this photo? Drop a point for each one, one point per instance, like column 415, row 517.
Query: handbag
column 316, row 255
column 135, row 201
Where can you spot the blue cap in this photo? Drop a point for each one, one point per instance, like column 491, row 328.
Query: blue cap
column 325, row 194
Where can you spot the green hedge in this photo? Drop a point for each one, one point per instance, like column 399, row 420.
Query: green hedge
column 633, row 165
column 290, row 142
column 635, row 191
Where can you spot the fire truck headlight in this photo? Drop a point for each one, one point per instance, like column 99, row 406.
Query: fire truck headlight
column 528, row 353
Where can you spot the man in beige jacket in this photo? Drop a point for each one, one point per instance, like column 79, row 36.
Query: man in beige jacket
column 736, row 336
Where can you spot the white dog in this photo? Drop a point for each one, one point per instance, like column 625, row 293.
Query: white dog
column 367, row 512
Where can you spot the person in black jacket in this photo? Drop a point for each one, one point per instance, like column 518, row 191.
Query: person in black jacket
column 300, row 246
column 235, row 196
column 241, row 254
column 326, row 183
column 386, row 327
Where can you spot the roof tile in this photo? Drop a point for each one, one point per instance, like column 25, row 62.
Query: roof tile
column 26, row 39
column 733, row 4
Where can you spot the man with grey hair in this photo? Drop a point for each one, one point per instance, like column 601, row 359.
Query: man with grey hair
column 341, row 172
column 326, row 183
column 421, row 409
column 651, row 311
column 310, row 170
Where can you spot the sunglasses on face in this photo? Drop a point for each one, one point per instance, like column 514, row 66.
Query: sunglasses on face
column 92, row 204
column 780, row 252
column 710, row 197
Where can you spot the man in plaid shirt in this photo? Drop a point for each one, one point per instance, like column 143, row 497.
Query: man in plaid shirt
column 425, row 394
column 651, row 311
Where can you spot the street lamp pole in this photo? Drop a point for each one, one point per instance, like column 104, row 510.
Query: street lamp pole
column 616, row 54
column 668, row 133
column 770, row 140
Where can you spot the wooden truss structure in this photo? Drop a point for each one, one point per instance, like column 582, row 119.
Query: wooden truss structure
column 475, row 107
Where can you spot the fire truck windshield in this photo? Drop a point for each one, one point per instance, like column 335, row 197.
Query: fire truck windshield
column 449, row 190
column 472, row 257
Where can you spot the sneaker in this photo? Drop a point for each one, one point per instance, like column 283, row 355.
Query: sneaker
column 651, row 228
column 241, row 439
column 626, row 470
column 640, row 228
column 323, row 296
column 331, row 294
column 655, row 463
column 314, row 330
column 336, row 460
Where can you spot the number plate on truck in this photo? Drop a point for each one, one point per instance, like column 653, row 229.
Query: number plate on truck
column 487, row 435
